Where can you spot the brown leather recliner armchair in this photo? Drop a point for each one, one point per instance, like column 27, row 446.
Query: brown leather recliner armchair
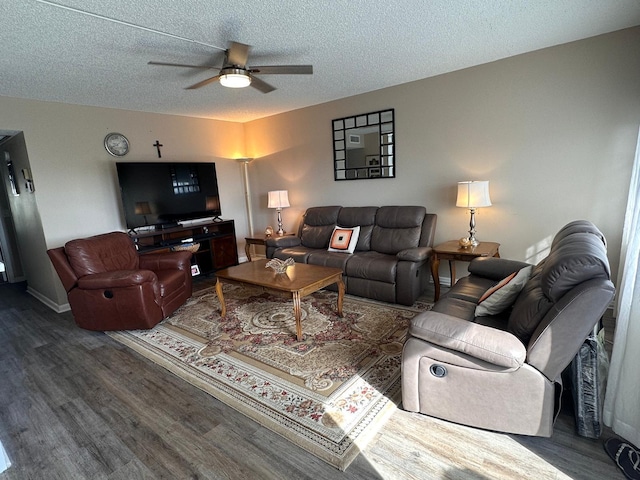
column 111, row 287
column 503, row 371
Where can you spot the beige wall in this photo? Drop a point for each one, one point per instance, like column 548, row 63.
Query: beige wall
column 553, row 131
column 75, row 178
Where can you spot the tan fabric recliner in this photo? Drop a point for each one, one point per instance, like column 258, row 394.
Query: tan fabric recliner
column 503, row 372
column 111, row 287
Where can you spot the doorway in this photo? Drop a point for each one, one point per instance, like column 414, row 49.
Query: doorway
column 12, row 152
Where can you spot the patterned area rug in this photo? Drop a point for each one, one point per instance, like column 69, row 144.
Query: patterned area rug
column 328, row 394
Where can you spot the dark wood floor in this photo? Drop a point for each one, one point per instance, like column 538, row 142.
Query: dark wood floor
column 75, row 404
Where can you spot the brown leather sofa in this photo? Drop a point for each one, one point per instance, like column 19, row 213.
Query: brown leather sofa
column 392, row 256
column 111, row 287
column 503, row 371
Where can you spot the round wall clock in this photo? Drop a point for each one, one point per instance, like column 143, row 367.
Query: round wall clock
column 116, row 144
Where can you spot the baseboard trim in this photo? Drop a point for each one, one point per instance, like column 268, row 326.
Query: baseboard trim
column 65, row 307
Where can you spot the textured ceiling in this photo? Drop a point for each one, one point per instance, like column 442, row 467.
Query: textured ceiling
column 355, row 46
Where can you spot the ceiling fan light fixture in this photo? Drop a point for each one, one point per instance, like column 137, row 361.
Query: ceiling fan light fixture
column 234, row 78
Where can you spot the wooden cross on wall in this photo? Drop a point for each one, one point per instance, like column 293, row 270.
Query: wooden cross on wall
column 158, row 145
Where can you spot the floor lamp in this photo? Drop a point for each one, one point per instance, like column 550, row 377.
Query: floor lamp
column 247, row 192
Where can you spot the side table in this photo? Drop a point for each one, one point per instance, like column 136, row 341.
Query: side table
column 258, row 240
column 453, row 252
column 253, row 241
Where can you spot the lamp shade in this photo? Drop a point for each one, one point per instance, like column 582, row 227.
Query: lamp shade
column 278, row 199
column 142, row 208
column 212, row 203
column 473, row 194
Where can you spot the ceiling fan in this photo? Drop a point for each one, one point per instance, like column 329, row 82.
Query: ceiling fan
column 235, row 73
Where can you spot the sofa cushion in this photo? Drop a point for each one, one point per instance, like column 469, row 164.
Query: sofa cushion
column 107, row 252
column 456, row 307
column 530, row 307
column 299, row 254
column 574, row 259
column 578, row 226
column 397, row 228
column 503, row 294
column 470, row 289
column 318, row 225
column 577, row 256
column 481, row 342
column 344, row 239
column 400, row 217
column 328, row 259
column 372, row 266
column 365, row 218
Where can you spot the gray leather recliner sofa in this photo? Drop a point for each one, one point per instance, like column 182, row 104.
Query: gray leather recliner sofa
column 391, row 259
column 503, row 372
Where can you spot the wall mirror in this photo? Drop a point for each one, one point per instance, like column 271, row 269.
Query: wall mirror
column 363, row 146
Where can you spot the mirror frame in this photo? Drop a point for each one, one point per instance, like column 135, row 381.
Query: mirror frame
column 385, row 164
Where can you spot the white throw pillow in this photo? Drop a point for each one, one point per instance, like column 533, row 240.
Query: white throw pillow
column 502, row 295
column 344, row 239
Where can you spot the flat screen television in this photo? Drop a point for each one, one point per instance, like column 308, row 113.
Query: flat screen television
column 164, row 194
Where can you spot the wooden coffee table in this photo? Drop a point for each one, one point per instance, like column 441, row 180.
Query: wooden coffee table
column 300, row 280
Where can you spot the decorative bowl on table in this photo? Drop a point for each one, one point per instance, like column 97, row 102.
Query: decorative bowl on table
column 280, row 266
column 189, row 247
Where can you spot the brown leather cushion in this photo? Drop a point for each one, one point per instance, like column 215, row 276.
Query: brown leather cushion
column 574, row 259
column 373, row 266
column 102, row 253
column 397, row 228
column 170, row 281
column 318, row 226
column 363, row 217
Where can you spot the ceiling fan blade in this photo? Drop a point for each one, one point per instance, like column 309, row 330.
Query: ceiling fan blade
column 237, row 54
column 283, row 69
column 204, row 82
column 165, row 64
column 261, row 85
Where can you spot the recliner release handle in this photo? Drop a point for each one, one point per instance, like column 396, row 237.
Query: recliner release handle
column 438, row 370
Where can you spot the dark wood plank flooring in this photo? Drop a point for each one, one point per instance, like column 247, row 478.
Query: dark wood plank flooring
column 75, row 404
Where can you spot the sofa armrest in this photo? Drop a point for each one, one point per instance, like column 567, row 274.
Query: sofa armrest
column 283, row 242
column 166, row 261
column 479, row 341
column 495, row 268
column 116, row 279
column 417, row 254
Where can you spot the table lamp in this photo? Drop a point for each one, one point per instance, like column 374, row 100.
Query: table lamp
column 472, row 195
column 279, row 199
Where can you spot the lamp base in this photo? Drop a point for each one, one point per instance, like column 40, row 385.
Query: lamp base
column 473, row 241
column 280, row 232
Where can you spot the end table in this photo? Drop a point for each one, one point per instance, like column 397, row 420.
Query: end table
column 253, row 241
column 257, row 240
column 453, row 252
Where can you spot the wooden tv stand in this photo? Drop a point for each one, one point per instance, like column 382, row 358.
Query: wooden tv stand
column 218, row 248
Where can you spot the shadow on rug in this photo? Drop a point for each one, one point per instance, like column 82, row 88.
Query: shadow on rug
column 328, row 394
